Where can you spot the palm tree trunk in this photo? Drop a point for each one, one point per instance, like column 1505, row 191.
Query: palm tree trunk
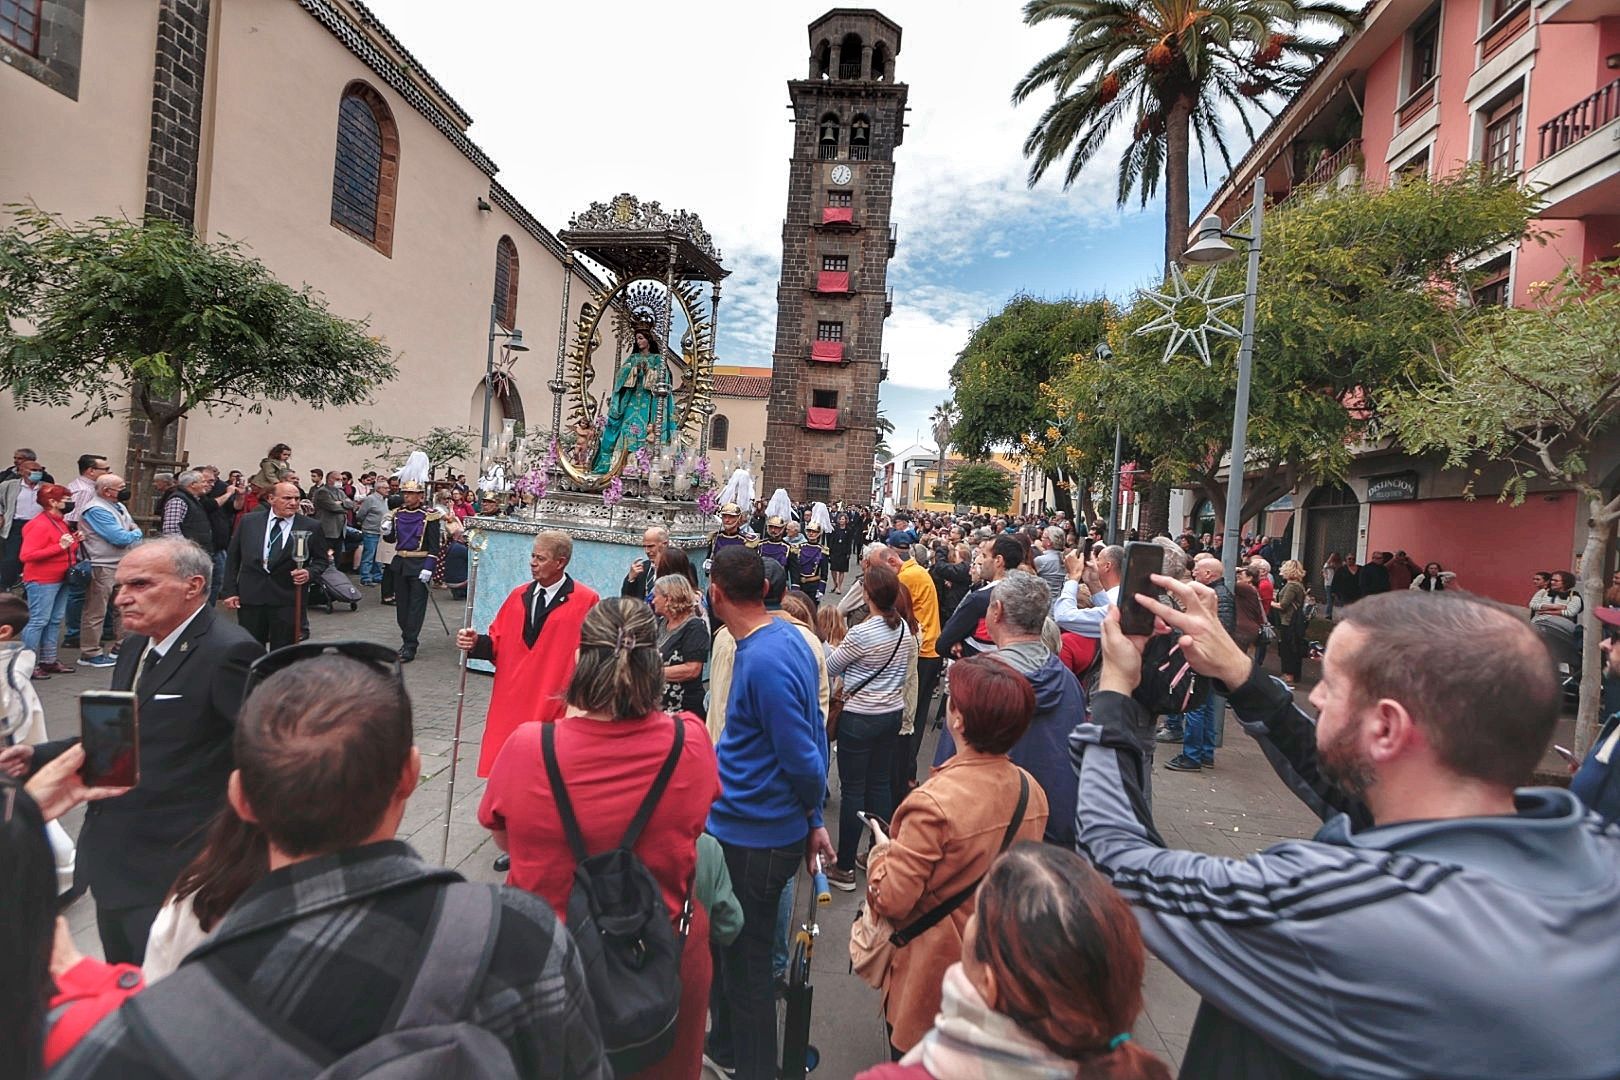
column 1177, row 212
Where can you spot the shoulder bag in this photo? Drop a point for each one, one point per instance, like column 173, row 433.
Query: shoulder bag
column 839, row 697
column 873, row 939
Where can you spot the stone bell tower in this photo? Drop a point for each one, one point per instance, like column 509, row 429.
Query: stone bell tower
column 848, row 117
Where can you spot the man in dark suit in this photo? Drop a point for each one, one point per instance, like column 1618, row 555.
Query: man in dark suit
column 187, row 670
column 638, row 583
column 260, row 578
column 1374, row 575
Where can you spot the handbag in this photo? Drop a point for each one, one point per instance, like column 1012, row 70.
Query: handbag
column 873, row 939
column 838, row 698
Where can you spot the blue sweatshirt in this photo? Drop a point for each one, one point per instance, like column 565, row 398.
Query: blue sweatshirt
column 773, row 753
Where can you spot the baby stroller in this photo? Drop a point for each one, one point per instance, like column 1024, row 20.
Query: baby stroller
column 332, row 587
column 1562, row 637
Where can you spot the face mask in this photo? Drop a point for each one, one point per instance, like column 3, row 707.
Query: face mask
column 67, row 507
column 35, row 477
column 123, row 496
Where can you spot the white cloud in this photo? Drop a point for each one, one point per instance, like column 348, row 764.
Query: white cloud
column 687, row 104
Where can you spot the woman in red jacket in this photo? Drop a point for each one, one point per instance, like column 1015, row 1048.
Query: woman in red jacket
column 49, row 546
column 609, row 745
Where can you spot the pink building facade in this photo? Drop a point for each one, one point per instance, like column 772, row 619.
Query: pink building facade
column 1528, row 88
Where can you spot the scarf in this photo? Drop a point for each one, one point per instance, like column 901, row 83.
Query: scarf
column 971, row 1041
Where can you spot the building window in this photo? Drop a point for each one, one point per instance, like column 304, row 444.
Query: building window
column 829, row 331
column 849, row 57
column 719, row 432
column 824, row 399
column 366, row 169
column 1493, row 288
column 1425, row 53
column 880, row 61
column 840, row 198
column 1415, row 167
column 19, row 24
column 506, row 282
column 1499, row 8
column 860, row 139
column 818, row 486
column 828, row 146
column 835, row 262
column 1501, row 150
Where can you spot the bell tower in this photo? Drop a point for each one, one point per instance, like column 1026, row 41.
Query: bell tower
column 833, row 296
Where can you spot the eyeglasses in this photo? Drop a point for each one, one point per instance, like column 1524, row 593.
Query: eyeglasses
column 379, row 657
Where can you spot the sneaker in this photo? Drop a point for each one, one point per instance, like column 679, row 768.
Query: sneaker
column 1183, row 763
column 1165, row 734
column 841, row 879
column 99, row 660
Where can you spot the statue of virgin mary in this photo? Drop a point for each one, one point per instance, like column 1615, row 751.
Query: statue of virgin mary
column 634, row 404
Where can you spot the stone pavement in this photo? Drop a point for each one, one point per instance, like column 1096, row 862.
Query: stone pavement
column 1234, row 810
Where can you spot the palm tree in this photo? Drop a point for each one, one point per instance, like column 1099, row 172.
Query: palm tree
column 885, row 428
column 1168, row 67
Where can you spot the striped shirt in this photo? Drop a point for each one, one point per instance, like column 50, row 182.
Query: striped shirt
column 864, row 662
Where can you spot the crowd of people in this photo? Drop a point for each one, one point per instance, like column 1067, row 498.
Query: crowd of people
column 658, row 765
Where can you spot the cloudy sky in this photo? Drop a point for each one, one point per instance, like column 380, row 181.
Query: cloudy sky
column 687, row 104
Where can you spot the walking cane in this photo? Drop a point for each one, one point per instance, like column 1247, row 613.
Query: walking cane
column 475, row 545
column 300, row 539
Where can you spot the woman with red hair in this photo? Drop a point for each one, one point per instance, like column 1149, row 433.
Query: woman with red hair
column 1049, row 985
column 945, row 835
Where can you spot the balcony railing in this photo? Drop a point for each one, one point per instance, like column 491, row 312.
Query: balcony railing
column 888, row 300
column 849, row 71
column 1336, row 162
column 1580, row 120
column 827, row 151
column 894, row 237
column 860, row 153
column 883, row 368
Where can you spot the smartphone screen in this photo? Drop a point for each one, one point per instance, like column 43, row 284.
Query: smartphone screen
column 109, row 729
column 1142, row 560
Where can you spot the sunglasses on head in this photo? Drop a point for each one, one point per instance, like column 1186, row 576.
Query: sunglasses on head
column 379, row 657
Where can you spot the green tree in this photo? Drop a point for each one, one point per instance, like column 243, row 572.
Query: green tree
column 1171, row 69
column 1536, row 389
column 1357, row 288
column 885, row 428
column 981, row 484
column 1003, row 387
column 112, row 315
column 442, row 445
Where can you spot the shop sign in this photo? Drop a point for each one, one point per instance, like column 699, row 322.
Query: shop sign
column 1397, row 487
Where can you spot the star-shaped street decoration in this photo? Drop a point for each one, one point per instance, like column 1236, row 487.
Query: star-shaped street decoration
column 1190, row 313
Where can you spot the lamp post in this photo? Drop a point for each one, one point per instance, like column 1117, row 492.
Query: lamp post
column 1105, row 354
column 1210, row 247
column 514, row 344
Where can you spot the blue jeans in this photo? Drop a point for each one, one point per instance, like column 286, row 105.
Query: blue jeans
column 218, row 581
column 47, row 604
column 370, row 572
column 75, row 609
column 784, row 930
column 866, row 747
column 1198, row 739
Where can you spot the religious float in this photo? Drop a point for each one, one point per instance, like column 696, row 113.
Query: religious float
column 613, row 465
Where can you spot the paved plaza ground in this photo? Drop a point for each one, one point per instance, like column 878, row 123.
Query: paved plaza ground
column 1234, row 810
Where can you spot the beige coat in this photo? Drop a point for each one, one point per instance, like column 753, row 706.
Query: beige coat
column 944, row 837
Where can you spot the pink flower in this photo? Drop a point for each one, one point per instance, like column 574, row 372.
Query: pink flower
column 613, row 494
column 709, row 501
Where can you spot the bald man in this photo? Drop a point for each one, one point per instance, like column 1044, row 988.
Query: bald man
column 638, row 583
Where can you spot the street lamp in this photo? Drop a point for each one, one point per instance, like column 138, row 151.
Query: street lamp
column 1210, row 247
column 1105, row 354
column 514, row 343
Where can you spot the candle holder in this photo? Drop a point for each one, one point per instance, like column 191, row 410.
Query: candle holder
column 300, row 547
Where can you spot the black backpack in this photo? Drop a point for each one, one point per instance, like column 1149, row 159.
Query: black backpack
column 629, row 950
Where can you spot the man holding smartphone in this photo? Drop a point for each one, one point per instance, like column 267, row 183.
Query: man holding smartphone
column 187, row 670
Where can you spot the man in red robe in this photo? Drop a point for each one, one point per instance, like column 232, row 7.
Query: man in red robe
column 532, row 643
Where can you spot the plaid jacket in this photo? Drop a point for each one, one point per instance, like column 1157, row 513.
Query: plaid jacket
column 328, row 945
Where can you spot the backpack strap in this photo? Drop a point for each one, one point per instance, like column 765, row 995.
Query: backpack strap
column 904, row 936
column 565, row 807
column 559, row 791
column 644, row 813
column 455, row 958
